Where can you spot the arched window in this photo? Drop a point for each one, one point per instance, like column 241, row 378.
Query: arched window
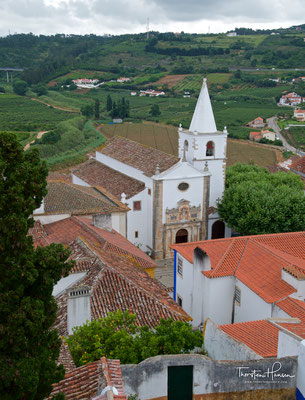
column 218, row 230
column 182, row 236
column 186, row 145
column 210, row 149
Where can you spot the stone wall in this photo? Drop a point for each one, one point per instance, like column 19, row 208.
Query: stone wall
column 214, row 379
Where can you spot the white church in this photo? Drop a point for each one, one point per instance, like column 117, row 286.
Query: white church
column 171, row 200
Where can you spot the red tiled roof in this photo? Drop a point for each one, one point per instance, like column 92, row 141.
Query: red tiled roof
column 98, row 174
column 88, row 381
column 117, row 285
column 67, row 198
column 296, row 328
column 256, row 261
column 137, row 155
column 298, row 165
column 293, row 307
column 69, row 229
column 260, row 336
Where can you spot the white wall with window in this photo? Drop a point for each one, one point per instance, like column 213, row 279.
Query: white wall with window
column 252, row 307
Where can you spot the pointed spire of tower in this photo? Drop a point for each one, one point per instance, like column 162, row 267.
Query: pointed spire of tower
column 203, row 118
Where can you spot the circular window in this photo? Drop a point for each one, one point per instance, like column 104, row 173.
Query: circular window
column 183, row 186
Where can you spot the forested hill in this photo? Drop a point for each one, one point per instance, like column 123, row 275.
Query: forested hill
column 45, row 57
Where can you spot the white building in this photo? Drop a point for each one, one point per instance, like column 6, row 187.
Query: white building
column 241, row 279
column 171, row 200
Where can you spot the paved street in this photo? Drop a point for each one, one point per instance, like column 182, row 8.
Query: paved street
column 273, row 125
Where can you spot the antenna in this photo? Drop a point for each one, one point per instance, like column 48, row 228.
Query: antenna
column 147, row 29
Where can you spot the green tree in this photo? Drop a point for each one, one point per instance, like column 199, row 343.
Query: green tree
column 28, row 347
column 87, row 110
column 257, row 202
column 117, row 336
column 97, row 109
column 155, row 110
column 20, row 87
column 109, row 103
column 41, row 90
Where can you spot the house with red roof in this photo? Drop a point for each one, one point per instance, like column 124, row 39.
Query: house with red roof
column 240, row 279
column 256, row 123
column 256, row 136
column 299, row 115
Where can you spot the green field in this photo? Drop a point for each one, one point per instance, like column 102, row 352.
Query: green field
column 165, row 138
column 18, row 113
column 76, row 137
column 298, row 136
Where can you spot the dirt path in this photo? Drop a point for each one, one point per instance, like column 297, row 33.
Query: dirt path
column 57, row 107
column 39, row 136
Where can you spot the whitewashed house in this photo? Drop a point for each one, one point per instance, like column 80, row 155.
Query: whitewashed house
column 240, row 279
column 172, row 200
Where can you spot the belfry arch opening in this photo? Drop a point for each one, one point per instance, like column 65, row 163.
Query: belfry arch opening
column 218, row 230
column 182, row 236
column 210, row 149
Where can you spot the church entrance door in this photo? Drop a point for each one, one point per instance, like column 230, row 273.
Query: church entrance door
column 218, row 230
column 182, row 236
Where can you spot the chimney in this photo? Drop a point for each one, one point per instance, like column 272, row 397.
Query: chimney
column 102, row 221
column 201, row 260
column 78, row 309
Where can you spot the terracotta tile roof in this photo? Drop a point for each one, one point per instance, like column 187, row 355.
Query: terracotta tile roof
column 296, row 328
column 88, row 381
column 98, row 174
column 298, row 165
column 260, row 336
column 39, row 235
column 257, row 261
column 67, row 198
column 293, row 307
column 63, row 176
column 117, row 285
column 69, row 229
column 137, row 155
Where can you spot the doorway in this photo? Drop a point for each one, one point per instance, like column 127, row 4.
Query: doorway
column 182, row 236
column 180, row 383
column 218, row 230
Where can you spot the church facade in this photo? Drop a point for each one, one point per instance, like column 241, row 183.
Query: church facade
column 171, row 200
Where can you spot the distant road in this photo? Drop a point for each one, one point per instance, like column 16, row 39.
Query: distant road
column 273, row 125
column 11, row 69
column 266, row 69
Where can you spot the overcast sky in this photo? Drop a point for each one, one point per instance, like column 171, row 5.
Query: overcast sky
column 130, row 16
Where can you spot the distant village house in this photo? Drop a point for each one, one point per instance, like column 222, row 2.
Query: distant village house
column 256, row 123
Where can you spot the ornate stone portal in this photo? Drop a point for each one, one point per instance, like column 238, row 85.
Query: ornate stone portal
column 182, row 224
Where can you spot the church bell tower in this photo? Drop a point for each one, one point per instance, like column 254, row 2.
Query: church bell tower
column 204, row 146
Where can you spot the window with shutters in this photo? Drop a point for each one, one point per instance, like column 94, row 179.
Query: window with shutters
column 237, row 295
column 180, row 266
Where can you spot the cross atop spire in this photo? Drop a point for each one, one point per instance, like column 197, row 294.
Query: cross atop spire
column 203, row 118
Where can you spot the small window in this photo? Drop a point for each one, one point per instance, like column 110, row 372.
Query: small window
column 180, row 266
column 136, row 234
column 186, row 145
column 210, row 149
column 237, row 295
column 137, row 206
column 179, row 301
column 183, row 186
column 149, row 192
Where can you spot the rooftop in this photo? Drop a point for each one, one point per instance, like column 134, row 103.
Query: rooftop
column 67, row 198
column 69, row 229
column 115, row 284
column 139, row 156
column 298, row 165
column 261, row 336
column 257, row 261
column 90, row 380
column 98, row 174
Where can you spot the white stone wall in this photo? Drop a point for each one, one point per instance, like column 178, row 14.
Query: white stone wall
column 78, row 181
column 221, row 346
column 252, row 306
column 139, row 221
column 298, row 284
column 288, row 345
column 48, row 219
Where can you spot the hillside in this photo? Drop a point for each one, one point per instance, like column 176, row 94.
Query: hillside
column 45, row 57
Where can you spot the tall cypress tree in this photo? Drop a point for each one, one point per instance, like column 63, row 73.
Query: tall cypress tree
column 29, row 347
column 109, row 103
